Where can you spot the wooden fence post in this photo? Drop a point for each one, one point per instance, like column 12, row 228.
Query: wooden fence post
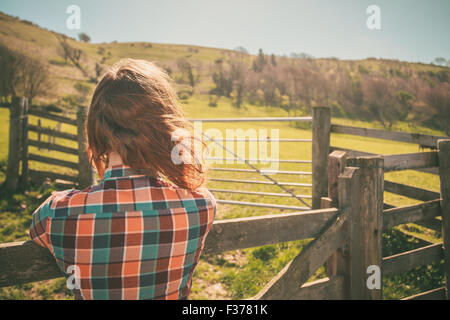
column 85, row 177
column 350, row 263
column 320, row 148
column 336, row 165
column 39, row 133
column 371, row 177
column 444, row 176
column 14, row 148
column 24, row 155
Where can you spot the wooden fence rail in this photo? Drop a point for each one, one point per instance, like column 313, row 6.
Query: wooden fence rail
column 54, row 133
column 409, row 214
column 410, row 191
column 356, row 153
column 423, row 140
column 47, row 115
column 409, row 260
column 225, row 235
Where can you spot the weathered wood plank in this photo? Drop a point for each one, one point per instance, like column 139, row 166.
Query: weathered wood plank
column 14, row 146
column 288, row 281
column 51, row 132
column 409, row 260
column 433, row 223
column 232, row 234
column 355, row 153
column 37, row 175
column 322, row 289
column 352, row 262
column 54, row 117
column 52, row 146
column 371, row 177
column 336, row 165
column 410, row 191
column 409, row 161
column 23, row 262
column 24, row 147
column 424, row 140
column 56, row 162
column 417, row 212
column 444, row 176
column 435, row 294
column 320, row 151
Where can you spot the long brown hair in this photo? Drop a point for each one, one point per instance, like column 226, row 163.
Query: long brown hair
column 135, row 113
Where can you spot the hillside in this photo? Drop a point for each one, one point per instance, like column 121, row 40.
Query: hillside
column 356, row 89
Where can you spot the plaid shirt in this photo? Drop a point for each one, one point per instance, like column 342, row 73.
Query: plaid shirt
column 129, row 237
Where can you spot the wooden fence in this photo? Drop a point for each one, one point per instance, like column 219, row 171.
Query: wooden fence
column 346, row 230
column 18, row 170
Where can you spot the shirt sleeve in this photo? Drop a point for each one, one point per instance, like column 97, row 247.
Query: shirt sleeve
column 39, row 232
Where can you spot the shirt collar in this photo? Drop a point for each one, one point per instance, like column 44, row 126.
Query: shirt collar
column 119, row 171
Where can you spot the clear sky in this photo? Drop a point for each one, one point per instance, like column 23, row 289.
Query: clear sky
column 411, row 30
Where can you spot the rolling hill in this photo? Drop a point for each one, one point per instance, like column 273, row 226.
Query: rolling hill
column 32, row 40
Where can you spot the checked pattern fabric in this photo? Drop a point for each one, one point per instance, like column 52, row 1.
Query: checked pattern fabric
column 130, row 236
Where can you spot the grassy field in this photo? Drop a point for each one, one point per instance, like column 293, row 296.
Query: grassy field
column 241, row 274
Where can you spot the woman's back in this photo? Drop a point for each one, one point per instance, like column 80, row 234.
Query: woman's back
column 129, row 237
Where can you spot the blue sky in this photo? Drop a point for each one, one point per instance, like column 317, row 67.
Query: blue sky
column 411, row 30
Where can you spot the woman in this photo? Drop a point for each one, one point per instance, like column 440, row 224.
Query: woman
column 139, row 232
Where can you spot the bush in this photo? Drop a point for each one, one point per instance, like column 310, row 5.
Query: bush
column 213, row 101
column 184, row 94
column 265, row 253
column 84, row 37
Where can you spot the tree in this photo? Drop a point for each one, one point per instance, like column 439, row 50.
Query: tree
column 186, row 70
column 11, row 66
column 72, row 54
column 405, row 100
column 273, row 60
column 35, row 79
column 259, row 62
column 98, row 70
column 440, row 61
column 84, row 37
column 22, row 75
column 438, row 100
column 238, row 78
column 241, row 50
column 378, row 99
column 222, row 79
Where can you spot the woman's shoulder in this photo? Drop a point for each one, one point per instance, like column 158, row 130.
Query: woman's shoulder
column 205, row 193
